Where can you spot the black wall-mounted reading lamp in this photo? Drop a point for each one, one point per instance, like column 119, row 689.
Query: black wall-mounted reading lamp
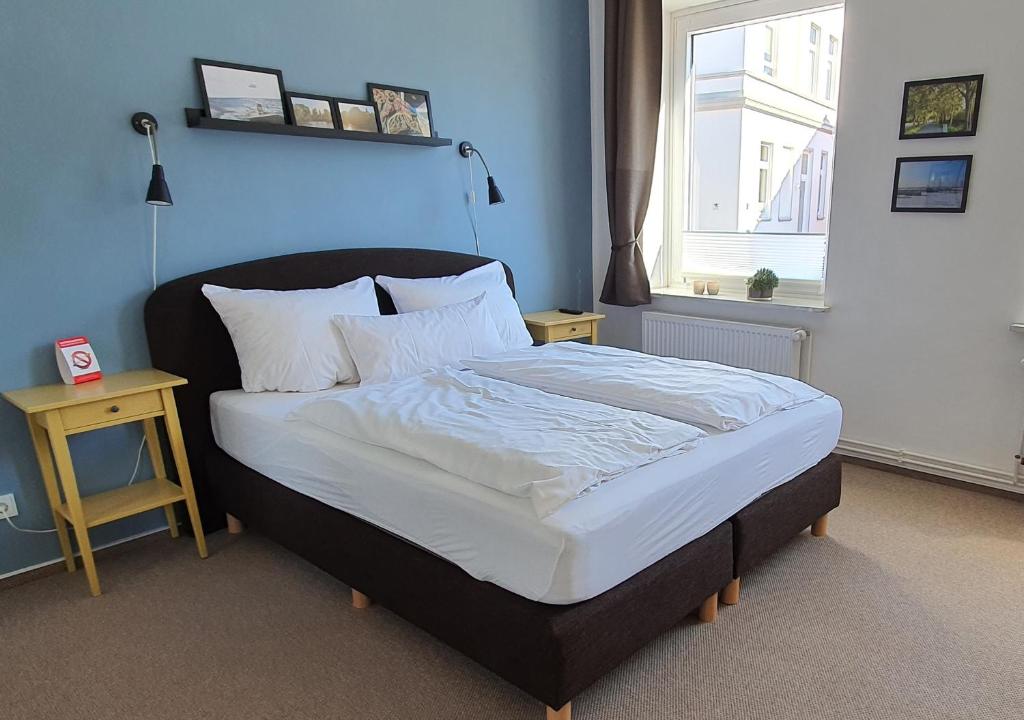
column 494, row 196
column 158, row 194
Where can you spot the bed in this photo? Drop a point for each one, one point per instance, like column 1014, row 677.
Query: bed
column 560, row 613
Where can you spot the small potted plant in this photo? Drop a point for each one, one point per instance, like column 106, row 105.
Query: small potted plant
column 761, row 284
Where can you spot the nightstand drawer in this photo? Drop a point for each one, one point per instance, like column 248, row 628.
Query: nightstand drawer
column 570, row 331
column 115, row 410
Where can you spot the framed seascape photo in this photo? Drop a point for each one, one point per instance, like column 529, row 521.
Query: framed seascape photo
column 357, row 115
column 402, row 111
column 241, row 92
column 935, row 184
column 314, row 111
column 946, row 107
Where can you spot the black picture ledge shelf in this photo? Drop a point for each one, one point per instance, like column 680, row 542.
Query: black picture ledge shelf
column 195, row 118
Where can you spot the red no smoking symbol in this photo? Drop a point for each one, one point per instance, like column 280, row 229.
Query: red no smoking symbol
column 81, row 359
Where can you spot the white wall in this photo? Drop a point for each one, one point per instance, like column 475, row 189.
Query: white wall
column 917, row 345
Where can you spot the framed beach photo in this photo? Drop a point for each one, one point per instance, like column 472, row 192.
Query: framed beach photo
column 945, row 107
column 314, row 111
column 936, row 184
column 402, row 111
column 241, row 92
column 356, row 115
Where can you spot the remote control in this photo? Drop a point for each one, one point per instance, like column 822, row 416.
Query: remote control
column 570, row 312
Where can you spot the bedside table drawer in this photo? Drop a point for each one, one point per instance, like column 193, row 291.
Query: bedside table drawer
column 570, row 331
column 115, row 410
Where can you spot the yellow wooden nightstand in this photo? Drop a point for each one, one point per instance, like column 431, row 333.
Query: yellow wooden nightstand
column 56, row 411
column 554, row 326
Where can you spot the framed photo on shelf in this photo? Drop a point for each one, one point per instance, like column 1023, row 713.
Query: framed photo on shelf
column 244, row 93
column 940, row 108
column 356, row 115
column 402, row 111
column 313, row 111
column 934, row 184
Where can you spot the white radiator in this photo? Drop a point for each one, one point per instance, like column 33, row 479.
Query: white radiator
column 768, row 348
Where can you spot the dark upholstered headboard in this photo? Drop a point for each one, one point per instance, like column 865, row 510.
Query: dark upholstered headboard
column 187, row 338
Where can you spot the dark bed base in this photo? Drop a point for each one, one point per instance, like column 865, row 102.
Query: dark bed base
column 552, row 652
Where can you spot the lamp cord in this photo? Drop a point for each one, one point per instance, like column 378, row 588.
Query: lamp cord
column 154, row 153
column 472, row 202
column 154, row 246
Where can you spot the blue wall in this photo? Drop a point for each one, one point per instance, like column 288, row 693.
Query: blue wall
column 74, row 231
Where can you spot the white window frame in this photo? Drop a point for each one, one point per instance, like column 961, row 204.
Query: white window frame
column 686, row 22
column 765, row 166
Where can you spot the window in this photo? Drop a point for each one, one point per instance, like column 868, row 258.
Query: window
column 769, row 51
column 748, row 164
column 830, row 78
column 764, row 181
column 786, row 191
column 823, row 184
column 815, row 39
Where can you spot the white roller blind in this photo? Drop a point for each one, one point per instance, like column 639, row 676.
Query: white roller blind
column 791, row 256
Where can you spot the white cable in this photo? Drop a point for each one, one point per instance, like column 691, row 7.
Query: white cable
column 138, row 463
column 27, row 530
column 156, row 161
column 472, row 203
column 138, row 460
column 154, row 246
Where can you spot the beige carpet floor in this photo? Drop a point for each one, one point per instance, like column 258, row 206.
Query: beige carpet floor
column 912, row 608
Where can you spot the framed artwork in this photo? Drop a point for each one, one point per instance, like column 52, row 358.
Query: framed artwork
column 308, row 110
column 936, row 184
column 241, row 92
column 402, row 111
column 945, row 107
column 356, row 115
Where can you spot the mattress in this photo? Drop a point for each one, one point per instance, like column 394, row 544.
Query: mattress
column 588, row 546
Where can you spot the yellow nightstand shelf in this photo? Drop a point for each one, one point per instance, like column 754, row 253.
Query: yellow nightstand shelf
column 554, row 326
column 56, row 411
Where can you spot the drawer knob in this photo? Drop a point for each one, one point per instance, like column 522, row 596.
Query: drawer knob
column 572, row 329
column 114, row 409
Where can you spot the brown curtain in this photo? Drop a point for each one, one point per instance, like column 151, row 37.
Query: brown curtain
column 632, row 100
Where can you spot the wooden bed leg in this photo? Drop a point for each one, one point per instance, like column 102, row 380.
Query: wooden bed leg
column 708, row 612
column 731, row 593
column 564, row 714
column 235, row 526
column 360, row 601
column 820, row 526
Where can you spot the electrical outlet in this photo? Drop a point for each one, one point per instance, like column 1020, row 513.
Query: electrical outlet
column 8, row 508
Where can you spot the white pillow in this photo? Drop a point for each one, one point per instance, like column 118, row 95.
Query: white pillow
column 285, row 340
column 392, row 347
column 426, row 293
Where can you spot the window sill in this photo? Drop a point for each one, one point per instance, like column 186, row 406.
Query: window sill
column 794, row 302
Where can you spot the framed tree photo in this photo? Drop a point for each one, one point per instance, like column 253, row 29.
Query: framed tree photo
column 945, row 107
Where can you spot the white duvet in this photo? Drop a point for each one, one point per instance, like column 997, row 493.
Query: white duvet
column 691, row 391
column 515, row 439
